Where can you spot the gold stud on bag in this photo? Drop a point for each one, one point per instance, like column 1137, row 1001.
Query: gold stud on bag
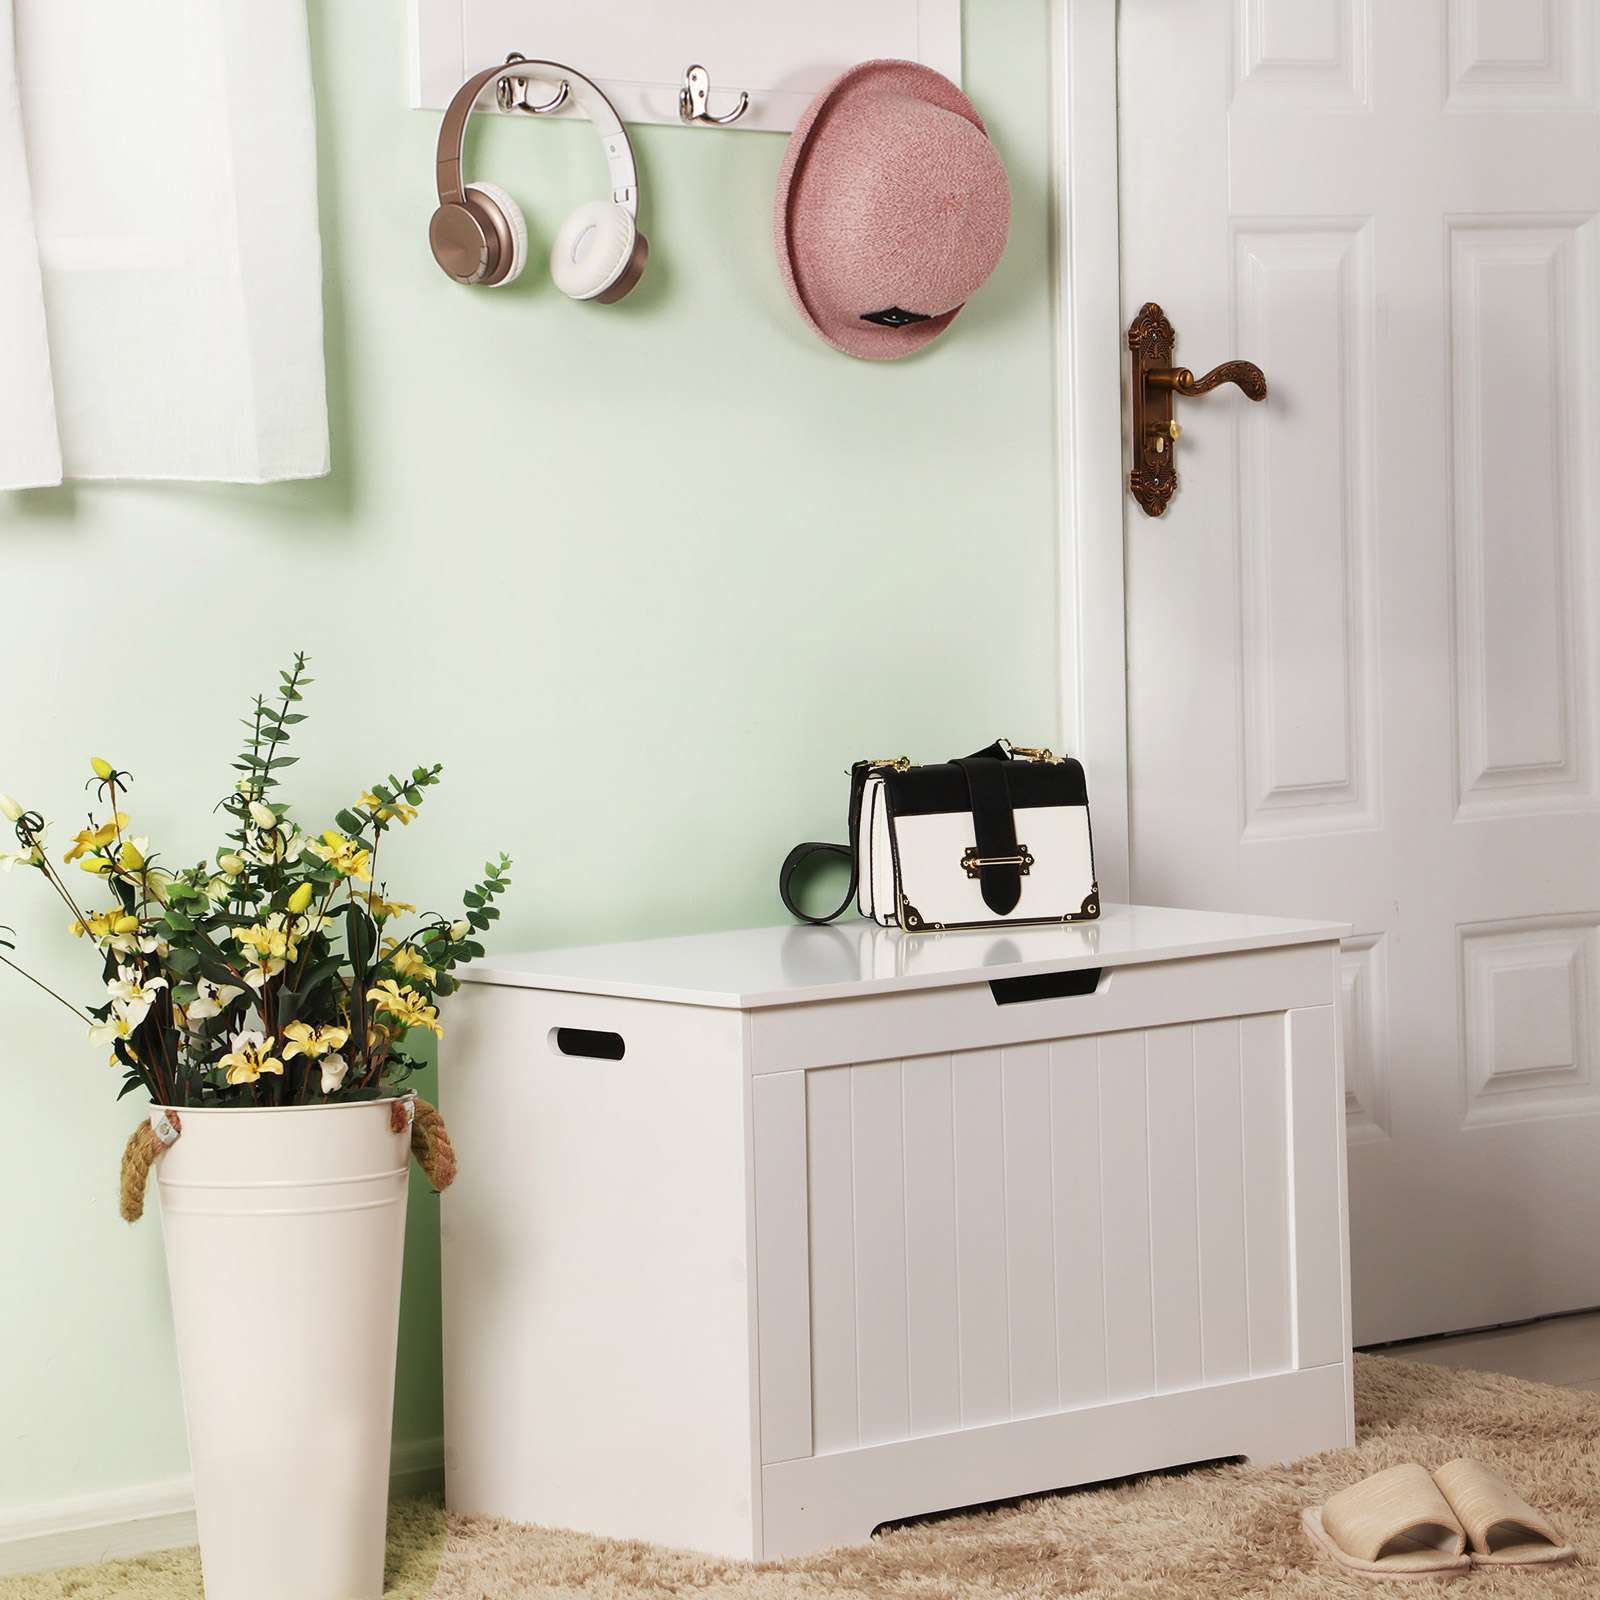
column 940, row 847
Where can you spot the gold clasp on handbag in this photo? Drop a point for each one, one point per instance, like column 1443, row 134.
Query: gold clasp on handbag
column 899, row 763
column 1030, row 752
column 972, row 863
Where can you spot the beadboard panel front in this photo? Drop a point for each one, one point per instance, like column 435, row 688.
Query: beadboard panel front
column 986, row 1229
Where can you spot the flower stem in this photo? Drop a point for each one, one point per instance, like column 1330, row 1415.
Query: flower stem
column 21, row 972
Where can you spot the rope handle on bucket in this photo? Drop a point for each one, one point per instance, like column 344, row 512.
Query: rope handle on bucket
column 144, row 1145
column 430, row 1140
column 430, row 1144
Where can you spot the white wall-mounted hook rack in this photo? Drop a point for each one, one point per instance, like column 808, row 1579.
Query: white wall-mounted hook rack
column 635, row 49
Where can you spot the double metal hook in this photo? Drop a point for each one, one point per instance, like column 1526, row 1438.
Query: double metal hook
column 694, row 100
column 511, row 93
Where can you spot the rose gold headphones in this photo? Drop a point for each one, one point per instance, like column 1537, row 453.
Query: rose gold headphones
column 479, row 235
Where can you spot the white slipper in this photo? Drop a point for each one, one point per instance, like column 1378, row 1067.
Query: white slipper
column 1394, row 1525
column 1504, row 1529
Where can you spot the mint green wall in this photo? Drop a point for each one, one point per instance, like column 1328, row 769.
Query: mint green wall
column 645, row 578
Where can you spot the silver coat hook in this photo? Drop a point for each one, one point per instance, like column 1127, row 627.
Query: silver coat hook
column 511, row 94
column 694, row 100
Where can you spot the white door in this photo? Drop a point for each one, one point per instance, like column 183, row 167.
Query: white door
column 1362, row 641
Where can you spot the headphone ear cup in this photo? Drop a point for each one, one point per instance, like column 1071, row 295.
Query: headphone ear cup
column 594, row 250
column 492, row 194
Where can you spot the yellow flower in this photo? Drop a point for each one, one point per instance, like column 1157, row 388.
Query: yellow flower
column 304, row 1040
column 102, row 769
column 406, row 1006
column 271, row 946
column 118, row 930
column 131, row 858
column 395, row 810
column 262, row 940
column 408, row 963
column 99, row 925
column 95, row 864
column 383, row 909
column 95, row 839
column 345, row 856
column 250, row 1057
column 300, row 899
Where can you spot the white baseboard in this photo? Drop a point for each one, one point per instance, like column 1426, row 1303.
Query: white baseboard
column 79, row 1529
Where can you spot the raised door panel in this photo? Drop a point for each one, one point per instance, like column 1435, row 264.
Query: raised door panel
column 1520, row 55
column 1303, row 52
column 1306, row 529
column 1523, row 376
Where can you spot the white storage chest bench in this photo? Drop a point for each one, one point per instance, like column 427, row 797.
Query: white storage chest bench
column 763, row 1239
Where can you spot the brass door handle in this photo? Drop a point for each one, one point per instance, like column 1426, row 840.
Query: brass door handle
column 1155, row 381
column 1180, row 380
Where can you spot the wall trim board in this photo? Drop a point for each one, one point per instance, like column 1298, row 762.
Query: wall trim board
column 1086, row 294
column 78, row 1529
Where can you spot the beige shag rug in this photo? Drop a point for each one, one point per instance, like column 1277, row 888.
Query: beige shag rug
column 1229, row 1532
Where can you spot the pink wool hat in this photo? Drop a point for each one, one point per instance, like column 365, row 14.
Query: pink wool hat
column 892, row 208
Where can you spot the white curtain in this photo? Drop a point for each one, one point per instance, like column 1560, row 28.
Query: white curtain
column 160, row 264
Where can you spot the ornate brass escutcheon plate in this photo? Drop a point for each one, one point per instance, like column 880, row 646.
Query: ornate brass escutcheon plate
column 1155, row 381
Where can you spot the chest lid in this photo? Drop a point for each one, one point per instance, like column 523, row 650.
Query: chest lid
column 798, row 964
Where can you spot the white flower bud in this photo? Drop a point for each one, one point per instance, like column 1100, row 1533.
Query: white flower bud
column 11, row 808
column 263, row 816
column 459, row 931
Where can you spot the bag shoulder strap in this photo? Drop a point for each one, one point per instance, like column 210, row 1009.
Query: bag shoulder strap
column 803, row 853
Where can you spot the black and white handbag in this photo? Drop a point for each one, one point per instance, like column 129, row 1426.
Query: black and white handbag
column 998, row 837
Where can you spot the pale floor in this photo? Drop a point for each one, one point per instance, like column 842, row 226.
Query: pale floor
column 1561, row 1350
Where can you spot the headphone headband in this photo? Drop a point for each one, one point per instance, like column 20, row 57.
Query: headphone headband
column 613, row 136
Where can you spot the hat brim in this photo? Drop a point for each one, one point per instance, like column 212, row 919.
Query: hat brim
column 867, row 340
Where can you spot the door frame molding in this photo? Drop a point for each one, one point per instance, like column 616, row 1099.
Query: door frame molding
column 1086, row 302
